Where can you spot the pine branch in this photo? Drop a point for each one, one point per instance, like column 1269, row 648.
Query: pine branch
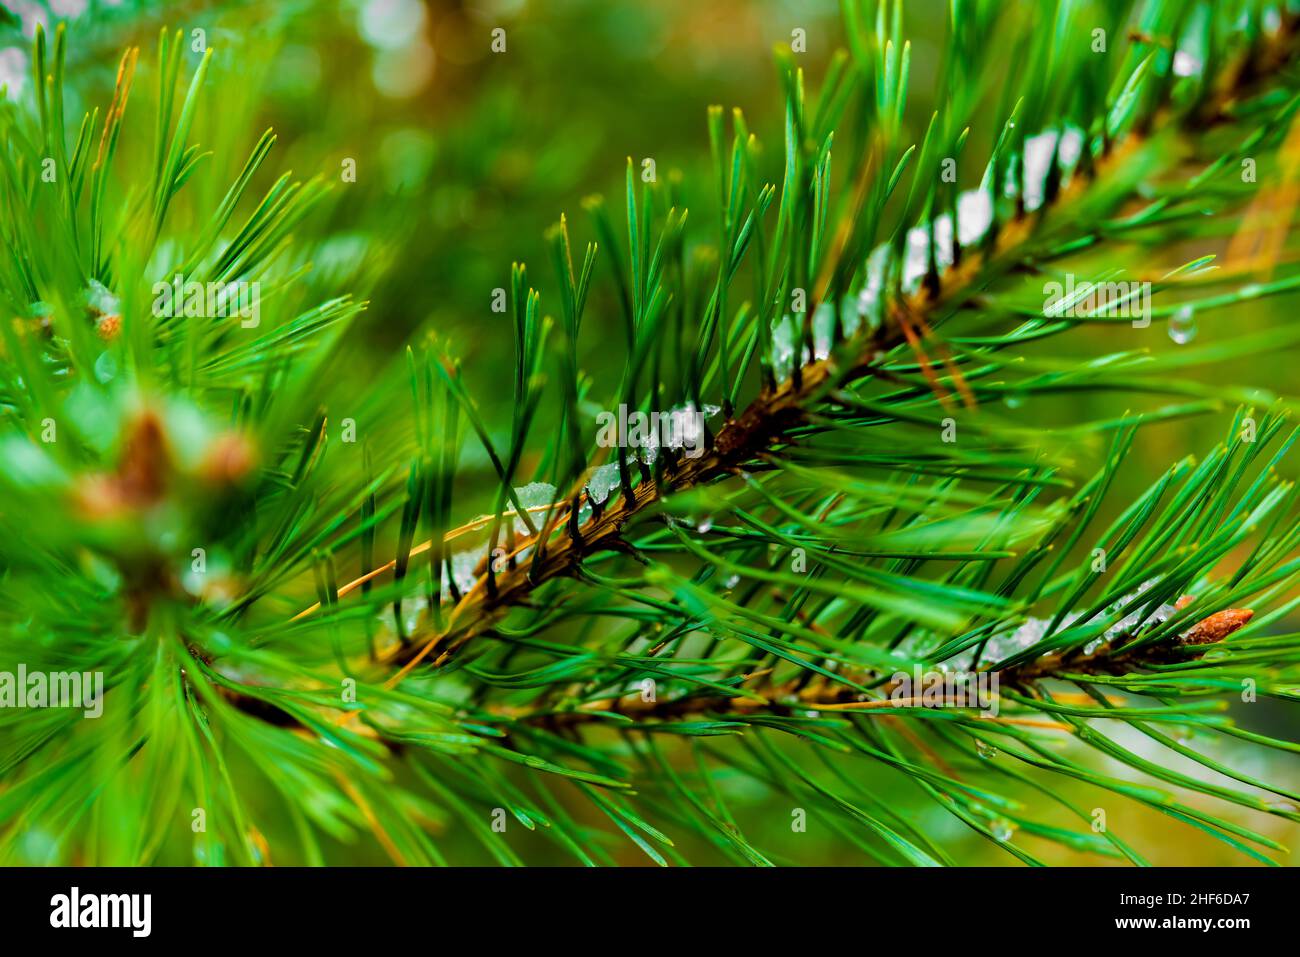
column 756, row 693
column 507, row 689
column 766, row 424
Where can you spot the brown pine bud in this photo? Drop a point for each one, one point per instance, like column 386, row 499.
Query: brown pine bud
column 108, row 327
column 1218, row 626
column 229, row 459
column 146, row 460
column 142, row 472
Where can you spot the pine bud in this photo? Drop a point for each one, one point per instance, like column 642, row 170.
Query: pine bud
column 229, row 459
column 1218, row 626
column 108, row 327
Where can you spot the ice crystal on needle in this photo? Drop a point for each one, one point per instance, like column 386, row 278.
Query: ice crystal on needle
column 1034, row 630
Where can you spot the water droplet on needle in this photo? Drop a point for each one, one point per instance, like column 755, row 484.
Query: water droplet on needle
column 1182, row 326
